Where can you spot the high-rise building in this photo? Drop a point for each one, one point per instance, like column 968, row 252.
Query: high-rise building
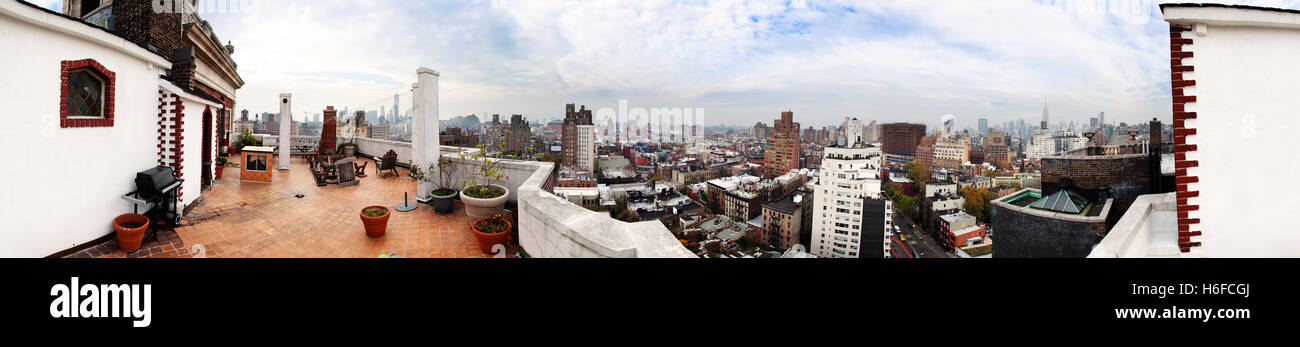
column 761, row 131
column 996, row 150
column 493, row 134
column 1041, row 143
column 586, row 150
column 848, row 176
column 984, row 127
column 1045, row 119
column 899, row 141
column 872, row 132
column 852, row 132
column 782, row 151
column 925, row 151
column 569, row 137
column 950, row 153
column 379, row 131
column 518, row 135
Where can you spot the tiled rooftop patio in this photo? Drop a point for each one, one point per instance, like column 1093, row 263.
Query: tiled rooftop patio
column 261, row 220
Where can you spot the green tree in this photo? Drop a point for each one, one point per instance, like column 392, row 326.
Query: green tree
column 891, row 189
column 917, row 172
column 978, row 202
column 908, row 205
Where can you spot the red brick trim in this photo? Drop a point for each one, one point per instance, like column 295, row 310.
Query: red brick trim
column 171, row 133
column 110, row 94
column 1178, row 52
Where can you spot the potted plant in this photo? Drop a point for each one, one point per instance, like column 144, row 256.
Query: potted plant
column 491, row 231
column 221, row 165
column 444, row 195
column 375, row 219
column 245, row 139
column 481, row 198
column 130, row 231
column 349, row 149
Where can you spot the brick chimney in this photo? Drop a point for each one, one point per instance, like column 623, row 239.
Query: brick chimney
column 158, row 31
column 329, row 131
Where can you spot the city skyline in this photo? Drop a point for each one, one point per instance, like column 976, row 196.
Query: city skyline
column 742, row 62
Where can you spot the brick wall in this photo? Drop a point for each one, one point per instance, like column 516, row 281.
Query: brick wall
column 137, row 22
column 1180, row 40
column 1118, row 177
column 171, row 134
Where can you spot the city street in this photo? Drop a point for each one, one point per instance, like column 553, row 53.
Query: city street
column 919, row 241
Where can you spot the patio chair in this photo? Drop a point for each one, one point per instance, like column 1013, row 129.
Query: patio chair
column 388, row 162
column 361, row 168
column 316, row 173
column 326, row 164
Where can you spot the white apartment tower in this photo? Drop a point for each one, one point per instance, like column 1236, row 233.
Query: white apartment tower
column 848, row 175
column 586, row 153
column 1041, row 144
column 853, row 132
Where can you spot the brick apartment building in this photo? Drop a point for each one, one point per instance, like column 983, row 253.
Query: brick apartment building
column 783, row 150
column 493, row 134
column 787, row 221
column 578, row 139
column 996, row 151
column 898, row 141
column 459, row 138
column 519, row 136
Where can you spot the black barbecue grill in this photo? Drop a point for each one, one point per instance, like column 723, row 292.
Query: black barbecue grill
column 156, row 189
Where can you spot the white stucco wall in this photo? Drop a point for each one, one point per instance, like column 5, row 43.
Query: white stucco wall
column 193, row 147
column 552, row 227
column 62, row 187
column 377, row 148
column 1247, row 100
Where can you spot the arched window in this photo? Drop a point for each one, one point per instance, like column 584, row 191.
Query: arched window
column 87, row 91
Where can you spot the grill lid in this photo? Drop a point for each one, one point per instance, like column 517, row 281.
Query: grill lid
column 150, row 183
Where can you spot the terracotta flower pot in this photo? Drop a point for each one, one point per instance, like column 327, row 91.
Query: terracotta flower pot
column 219, row 170
column 487, row 241
column 130, row 231
column 375, row 226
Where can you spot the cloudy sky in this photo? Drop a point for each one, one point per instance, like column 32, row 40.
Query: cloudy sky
column 741, row 61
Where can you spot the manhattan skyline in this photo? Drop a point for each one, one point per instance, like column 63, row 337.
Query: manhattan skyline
column 742, row 61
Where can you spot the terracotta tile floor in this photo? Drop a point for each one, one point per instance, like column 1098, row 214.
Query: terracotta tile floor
column 261, row 220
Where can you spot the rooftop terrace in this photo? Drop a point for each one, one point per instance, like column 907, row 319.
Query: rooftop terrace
column 267, row 220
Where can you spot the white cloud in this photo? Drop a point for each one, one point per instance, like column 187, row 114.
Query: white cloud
column 744, row 61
